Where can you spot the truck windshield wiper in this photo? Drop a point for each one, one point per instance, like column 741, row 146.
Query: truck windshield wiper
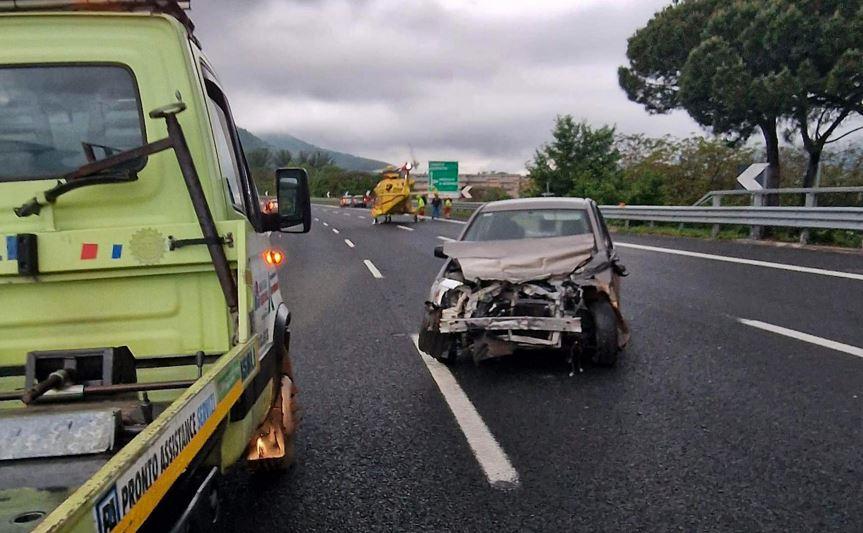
column 90, row 153
column 108, row 170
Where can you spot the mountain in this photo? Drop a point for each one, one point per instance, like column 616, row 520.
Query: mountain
column 283, row 141
column 250, row 141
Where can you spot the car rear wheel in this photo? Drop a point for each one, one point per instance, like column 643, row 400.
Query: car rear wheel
column 602, row 332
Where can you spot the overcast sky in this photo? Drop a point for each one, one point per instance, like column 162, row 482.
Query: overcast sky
column 479, row 81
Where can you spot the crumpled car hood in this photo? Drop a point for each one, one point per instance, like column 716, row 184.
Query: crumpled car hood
column 521, row 260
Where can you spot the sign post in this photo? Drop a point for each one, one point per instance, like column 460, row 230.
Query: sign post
column 443, row 177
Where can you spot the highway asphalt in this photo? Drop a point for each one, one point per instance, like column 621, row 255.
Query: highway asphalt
column 708, row 423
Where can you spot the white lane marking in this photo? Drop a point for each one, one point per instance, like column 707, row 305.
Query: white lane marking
column 317, row 219
column 335, row 231
column 827, row 343
column 325, row 224
column 753, row 262
column 450, row 220
column 445, row 239
column 485, row 448
column 349, row 243
column 404, row 228
column 373, row 269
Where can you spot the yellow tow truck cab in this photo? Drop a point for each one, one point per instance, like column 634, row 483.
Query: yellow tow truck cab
column 143, row 336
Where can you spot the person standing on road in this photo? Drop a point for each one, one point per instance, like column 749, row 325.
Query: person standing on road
column 436, row 203
column 421, row 205
column 447, row 208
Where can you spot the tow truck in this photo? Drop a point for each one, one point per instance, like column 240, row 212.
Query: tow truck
column 144, row 341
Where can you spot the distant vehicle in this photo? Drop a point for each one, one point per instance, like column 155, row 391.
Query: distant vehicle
column 345, row 201
column 538, row 273
column 269, row 205
column 358, row 201
column 364, row 200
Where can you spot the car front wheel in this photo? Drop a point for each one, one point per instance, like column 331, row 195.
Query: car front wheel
column 602, row 333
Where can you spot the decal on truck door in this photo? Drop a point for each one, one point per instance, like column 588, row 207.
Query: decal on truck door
column 127, row 502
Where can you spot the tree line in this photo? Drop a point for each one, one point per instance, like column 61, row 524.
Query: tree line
column 324, row 176
column 597, row 162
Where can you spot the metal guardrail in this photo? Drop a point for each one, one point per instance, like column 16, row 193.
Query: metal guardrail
column 810, row 193
column 848, row 218
column 805, row 218
column 756, row 217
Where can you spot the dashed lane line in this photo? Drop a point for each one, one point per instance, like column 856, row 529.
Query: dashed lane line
column 373, row 269
column 742, row 261
column 404, row 228
column 349, row 243
column 805, row 337
column 490, row 456
column 317, row 219
column 450, row 220
column 335, row 231
column 327, row 225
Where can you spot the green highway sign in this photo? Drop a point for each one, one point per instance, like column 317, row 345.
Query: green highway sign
column 443, row 177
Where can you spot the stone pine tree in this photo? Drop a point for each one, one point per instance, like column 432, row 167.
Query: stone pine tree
column 822, row 43
column 745, row 66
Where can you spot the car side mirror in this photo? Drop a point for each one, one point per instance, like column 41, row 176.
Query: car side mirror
column 294, row 203
column 438, row 252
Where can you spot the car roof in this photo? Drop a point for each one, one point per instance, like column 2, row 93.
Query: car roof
column 537, row 203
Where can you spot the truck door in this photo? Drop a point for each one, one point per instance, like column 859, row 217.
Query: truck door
column 242, row 195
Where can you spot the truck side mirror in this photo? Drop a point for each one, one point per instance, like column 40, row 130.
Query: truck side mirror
column 438, row 252
column 294, row 204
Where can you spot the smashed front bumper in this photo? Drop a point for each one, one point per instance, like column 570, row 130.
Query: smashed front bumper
column 515, row 329
column 511, row 323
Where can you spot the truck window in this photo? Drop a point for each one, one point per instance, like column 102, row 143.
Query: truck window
column 52, row 117
column 242, row 191
column 229, row 163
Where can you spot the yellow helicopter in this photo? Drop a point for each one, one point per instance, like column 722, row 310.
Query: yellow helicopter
column 392, row 194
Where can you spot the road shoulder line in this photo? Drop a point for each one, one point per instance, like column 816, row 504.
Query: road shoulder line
column 805, row 337
column 740, row 260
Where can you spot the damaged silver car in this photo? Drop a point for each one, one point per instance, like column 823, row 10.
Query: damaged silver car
column 537, row 273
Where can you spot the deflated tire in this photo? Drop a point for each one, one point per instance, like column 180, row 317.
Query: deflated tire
column 431, row 340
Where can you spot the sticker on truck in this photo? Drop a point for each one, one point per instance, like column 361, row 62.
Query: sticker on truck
column 126, row 503
column 134, row 483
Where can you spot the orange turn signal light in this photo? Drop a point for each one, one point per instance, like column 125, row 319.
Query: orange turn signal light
column 274, row 256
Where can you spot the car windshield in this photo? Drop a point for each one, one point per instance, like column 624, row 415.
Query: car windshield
column 528, row 224
column 52, row 117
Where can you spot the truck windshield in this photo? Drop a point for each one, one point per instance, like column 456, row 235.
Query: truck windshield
column 528, row 224
column 53, row 118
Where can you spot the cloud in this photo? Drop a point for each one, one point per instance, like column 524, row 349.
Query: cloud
column 478, row 80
